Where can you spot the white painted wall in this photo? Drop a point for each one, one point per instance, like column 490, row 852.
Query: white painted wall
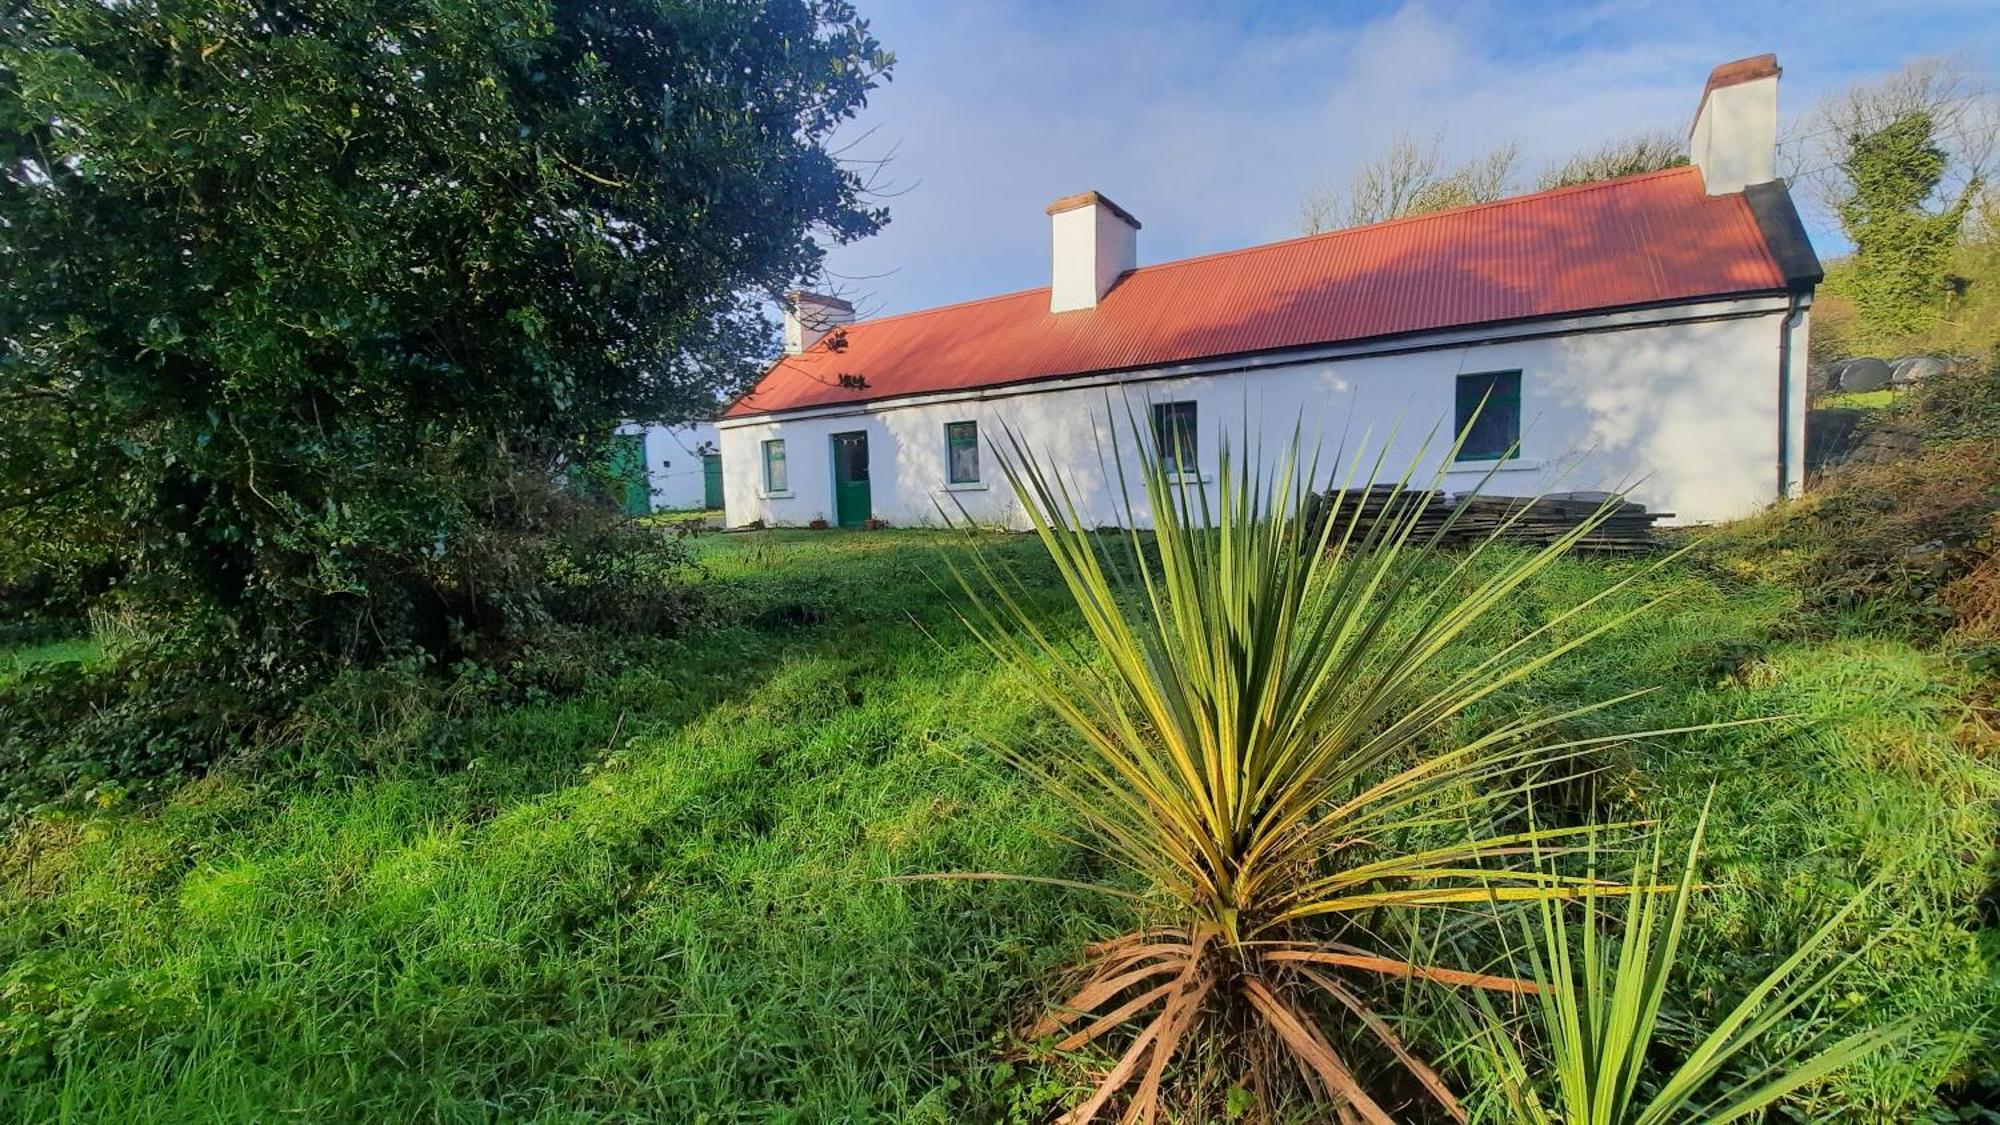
column 1680, row 406
column 673, row 462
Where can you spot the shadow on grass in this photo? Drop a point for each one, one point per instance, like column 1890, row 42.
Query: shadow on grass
column 661, row 898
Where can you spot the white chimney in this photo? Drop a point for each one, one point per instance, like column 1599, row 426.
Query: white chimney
column 809, row 316
column 1735, row 137
column 1094, row 241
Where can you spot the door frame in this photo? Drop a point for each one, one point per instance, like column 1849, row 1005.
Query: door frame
column 833, row 458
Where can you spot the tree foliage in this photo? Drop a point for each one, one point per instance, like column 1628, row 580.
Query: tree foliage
column 282, row 287
column 1974, row 320
column 1629, row 155
column 1956, row 94
column 1411, row 178
column 1903, row 249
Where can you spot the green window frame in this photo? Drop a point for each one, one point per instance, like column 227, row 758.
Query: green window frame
column 776, row 478
column 1488, row 416
column 1175, row 425
column 961, row 452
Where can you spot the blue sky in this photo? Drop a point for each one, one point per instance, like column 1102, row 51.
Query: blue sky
column 1211, row 122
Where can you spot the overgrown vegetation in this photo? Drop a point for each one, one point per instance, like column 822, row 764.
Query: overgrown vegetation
column 284, row 294
column 1901, row 248
column 659, row 894
column 1904, row 544
column 544, row 592
column 303, row 312
column 1903, row 165
column 655, row 886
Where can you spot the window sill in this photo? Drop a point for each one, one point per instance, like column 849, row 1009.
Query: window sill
column 1516, row 465
column 785, row 495
column 1187, row 478
column 966, row 486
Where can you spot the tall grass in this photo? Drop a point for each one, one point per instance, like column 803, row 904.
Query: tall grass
column 1268, row 716
column 659, row 898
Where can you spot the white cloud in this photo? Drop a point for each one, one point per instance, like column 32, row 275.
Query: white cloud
column 1211, row 125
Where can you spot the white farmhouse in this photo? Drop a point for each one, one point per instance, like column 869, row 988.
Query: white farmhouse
column 1647, row 333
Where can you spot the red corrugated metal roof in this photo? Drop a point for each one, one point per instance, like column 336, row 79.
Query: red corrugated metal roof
column 1640, row 240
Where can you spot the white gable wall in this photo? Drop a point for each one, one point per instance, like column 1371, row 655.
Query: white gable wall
column 1681, row 406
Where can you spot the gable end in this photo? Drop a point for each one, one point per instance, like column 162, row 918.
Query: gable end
column 1778, row 220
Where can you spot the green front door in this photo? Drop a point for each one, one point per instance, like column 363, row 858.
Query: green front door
column 711, row 480
column 850, row 479
column 626, row 460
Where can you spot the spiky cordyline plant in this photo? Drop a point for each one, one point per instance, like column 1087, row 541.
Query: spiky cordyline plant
column 1597, row 1014
column 1268, row 710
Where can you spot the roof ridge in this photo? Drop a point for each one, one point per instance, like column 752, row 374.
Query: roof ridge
column 1428, row 216
column 928, row 309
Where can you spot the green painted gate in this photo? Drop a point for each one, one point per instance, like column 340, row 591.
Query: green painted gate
column 711, row 480
column 851, row 502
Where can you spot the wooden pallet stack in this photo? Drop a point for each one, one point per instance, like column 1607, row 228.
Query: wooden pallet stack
column 1541, row 520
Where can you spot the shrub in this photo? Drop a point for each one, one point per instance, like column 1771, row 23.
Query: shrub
column 47, row 583
column 100, row 733
column 546, row 557
column 536, row 605
column 1269, row 738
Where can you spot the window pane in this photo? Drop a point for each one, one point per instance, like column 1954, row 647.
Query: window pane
column 850, row 457
column 1496, row 431
column 774, row 466
column 1174, row 434
column 961, row 440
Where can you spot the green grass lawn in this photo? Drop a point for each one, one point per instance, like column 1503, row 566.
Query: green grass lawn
column 1861, row 400
column 661, row 899
column 668, row 517
column 13, row 662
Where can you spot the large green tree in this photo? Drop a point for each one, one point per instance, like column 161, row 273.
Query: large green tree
column 280, row 280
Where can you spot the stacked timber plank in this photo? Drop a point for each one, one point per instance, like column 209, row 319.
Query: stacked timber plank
column 1539, row 520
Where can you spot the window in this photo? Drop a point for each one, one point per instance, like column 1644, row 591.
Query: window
column 775, row 479
column 961, row 452
column 1173, row 436
column 1490, row 405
